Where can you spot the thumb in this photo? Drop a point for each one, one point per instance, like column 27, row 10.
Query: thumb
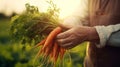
column 64, row 26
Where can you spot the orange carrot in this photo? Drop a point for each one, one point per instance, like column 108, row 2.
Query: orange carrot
column 41, row 43
column 48, row 50
column 51, row 36
column 51, row 54
column 62, row 52
column 55, row 52
column 50, row 46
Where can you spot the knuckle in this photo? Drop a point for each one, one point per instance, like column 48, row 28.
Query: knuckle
column 58, row 36
column 60, row 41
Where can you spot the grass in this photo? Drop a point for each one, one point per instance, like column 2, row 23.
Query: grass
column 16, row 55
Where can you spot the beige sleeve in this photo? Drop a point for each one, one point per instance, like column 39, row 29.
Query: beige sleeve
column 104, row 33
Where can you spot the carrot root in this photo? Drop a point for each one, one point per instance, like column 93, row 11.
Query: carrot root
column 50, row 47
column 52, row 36
column 41, row 43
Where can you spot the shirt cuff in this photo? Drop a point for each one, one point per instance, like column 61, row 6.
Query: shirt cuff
column 104, row 33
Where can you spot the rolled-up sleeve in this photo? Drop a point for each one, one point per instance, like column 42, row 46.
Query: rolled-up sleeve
column 114, row 39
column 105, row 32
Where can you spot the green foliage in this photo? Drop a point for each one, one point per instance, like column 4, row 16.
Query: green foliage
column 11, row 55
column 4, row 29
column 14, row 55
column 32, row 25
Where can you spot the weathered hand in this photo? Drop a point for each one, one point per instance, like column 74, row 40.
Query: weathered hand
column 76, row 35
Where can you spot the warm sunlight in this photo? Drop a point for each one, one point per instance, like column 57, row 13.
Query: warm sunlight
column 67, row 7
column 71, row 7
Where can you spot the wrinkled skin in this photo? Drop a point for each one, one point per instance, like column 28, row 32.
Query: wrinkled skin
column 76, row 35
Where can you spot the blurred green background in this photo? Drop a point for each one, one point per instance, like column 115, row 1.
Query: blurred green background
column 17, row 55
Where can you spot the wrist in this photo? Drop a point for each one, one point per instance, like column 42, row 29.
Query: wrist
column 93, row 35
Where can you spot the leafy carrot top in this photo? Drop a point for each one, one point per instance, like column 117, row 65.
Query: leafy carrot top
column 32, row 25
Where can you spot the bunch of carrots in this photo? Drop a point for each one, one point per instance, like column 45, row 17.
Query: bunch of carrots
column 50, row 47
column 32, row 26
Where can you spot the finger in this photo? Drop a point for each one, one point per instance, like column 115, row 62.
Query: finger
column 64, row 27
column 64, row 34
column 67, row 45
column 65, row 40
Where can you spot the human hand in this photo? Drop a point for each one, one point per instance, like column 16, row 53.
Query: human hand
column 76, row 35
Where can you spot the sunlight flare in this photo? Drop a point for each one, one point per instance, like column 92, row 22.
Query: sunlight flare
column 67, row 7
